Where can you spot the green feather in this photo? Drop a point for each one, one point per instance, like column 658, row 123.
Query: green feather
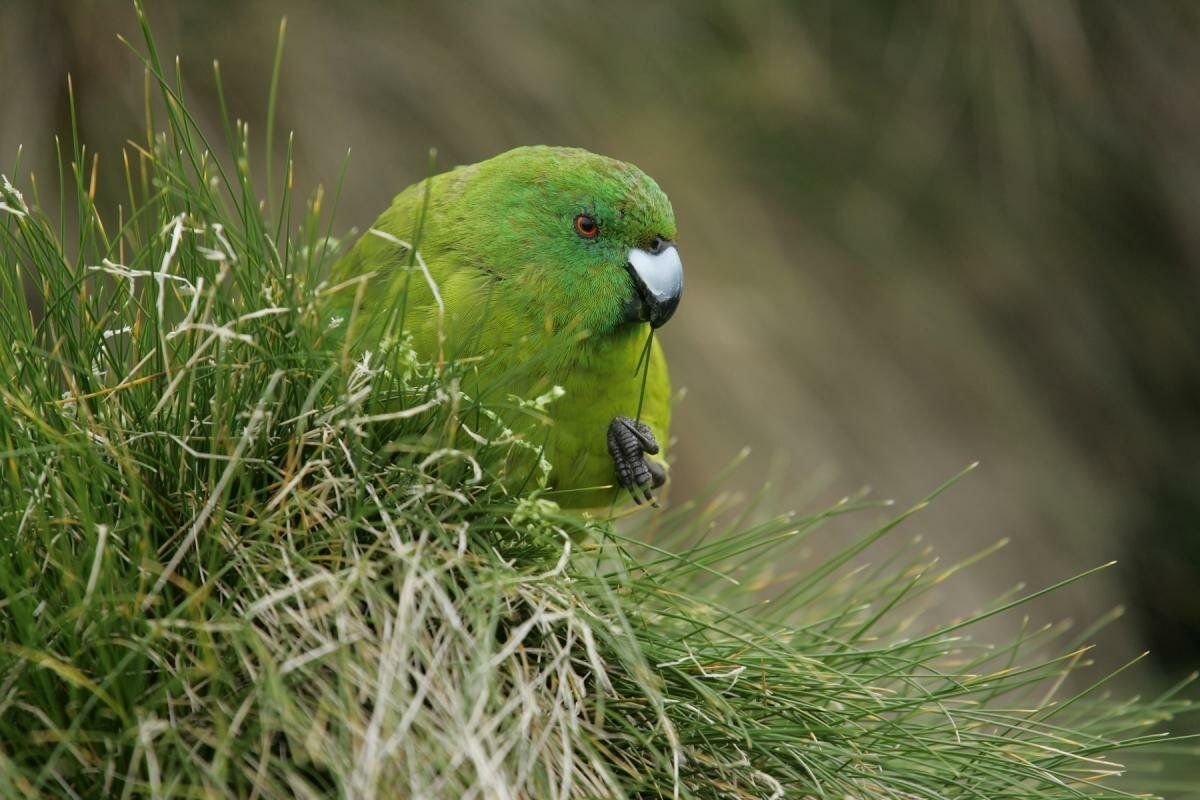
column 523, row 296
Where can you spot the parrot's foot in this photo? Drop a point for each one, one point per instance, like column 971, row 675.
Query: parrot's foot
column 629, row 441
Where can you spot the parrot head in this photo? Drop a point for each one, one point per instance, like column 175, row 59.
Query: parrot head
column 580, row 242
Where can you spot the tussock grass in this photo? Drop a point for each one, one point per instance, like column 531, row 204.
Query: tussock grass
column 242, row 561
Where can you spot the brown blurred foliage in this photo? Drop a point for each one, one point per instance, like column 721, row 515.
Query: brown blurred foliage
column 916, row 235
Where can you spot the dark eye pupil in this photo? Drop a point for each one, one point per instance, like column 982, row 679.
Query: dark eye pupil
column 586, row 226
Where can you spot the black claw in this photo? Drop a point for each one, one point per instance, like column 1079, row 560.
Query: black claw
column 658, row 474
column 629, row 441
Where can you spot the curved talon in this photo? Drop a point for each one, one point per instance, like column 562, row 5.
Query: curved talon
column 629, row 441
column 658, row 473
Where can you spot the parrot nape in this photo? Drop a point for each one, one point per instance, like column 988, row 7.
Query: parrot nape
column 551, row 267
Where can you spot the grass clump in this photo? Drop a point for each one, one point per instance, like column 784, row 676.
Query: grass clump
column 240, row 561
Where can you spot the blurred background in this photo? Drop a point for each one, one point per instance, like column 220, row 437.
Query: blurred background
column 916, row 235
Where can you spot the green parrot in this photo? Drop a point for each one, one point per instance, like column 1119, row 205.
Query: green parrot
column 543, row 267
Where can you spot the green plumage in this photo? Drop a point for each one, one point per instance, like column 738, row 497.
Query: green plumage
column 527, row 300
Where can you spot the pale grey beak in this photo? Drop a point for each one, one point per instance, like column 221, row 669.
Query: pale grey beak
column 657, row 275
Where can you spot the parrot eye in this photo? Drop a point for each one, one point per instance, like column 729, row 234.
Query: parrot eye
column 586, row 227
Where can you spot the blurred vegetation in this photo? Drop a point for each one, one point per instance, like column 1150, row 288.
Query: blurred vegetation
column 916, row 235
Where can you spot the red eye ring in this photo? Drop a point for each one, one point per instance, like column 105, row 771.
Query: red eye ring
column 586, row 227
